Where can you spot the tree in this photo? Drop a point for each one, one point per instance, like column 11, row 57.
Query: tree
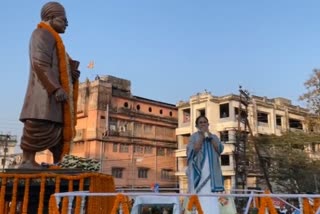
column 312, row 96
column 291, row 168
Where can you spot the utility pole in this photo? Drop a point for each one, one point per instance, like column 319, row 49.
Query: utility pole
column 241, row 140
column 240, row 154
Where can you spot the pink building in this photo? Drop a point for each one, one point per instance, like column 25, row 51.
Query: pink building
column 133, row 137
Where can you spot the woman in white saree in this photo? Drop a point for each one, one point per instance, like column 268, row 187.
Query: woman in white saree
column 204, row 170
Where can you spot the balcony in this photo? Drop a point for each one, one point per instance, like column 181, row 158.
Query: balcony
column 181, row 153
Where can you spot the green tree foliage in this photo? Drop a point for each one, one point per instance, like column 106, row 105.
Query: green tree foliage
column 291, row 165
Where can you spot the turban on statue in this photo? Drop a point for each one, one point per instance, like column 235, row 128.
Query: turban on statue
column 52, row 9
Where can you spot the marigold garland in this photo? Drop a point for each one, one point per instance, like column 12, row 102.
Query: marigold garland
column 70, row 107
column 53, row 209
column 306, row 206
column 120, row 199
column 41, row 198
column 194, row 202
column 316, row 204
column 26, row 199
column 78, row 198
column 13, row 204
column 266, row 202
column 107, row 183
column 2, row 194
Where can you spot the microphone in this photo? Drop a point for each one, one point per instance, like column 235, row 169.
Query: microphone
column 206, row 134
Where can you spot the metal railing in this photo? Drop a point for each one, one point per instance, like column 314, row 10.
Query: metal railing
column 250, row 198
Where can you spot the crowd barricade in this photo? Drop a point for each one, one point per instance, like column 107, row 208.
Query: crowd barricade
column 134, row 203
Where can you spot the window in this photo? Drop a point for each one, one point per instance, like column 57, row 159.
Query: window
column 138, row 107
column 278, row 120
column 262, row 117
column 243, row 114
column 160, row 151
column 161, row 112
column 147, row 129
column 115, row 147
column 166, row 174
column 186, row 115
column 224, row 136
column 143, row 172
column 225, row 160
column 116, row 172
column 170, row 152
column 148, row 149
column 126, row 105
column 150, row 109
column 294, row 123
column 201, row 112
column 124, row 148
column 224, row 110
column 138, row 149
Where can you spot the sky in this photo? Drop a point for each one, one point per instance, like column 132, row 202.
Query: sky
column 171, row 49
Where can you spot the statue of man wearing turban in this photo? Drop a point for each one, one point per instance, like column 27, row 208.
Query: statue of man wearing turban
column 49, row 109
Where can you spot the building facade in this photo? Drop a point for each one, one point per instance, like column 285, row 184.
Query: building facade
column 133, row 137
column 8, row 155
column 264, row 116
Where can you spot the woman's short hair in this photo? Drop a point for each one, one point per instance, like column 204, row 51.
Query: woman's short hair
column 199, row 117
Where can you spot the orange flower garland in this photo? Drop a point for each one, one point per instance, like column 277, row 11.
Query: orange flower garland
column 26, row 199
column 106, row 185
column 266, row 202
column 306, row 206
column 41, row 198
column 78, row 199
column 194, row 202
column 69, row 108
column 14, row 196
column 316, row 204
column 120, row 199
column 53, row 209
column 2, row 193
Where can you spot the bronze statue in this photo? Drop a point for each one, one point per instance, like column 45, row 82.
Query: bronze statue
column 49, row 109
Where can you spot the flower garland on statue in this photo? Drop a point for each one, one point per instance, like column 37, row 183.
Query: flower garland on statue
column 194, row 202
column 120, row 199
column 69, row 116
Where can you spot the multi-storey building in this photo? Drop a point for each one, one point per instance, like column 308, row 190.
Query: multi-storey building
column 133, row 137
column 264, row 116
column 9, row 158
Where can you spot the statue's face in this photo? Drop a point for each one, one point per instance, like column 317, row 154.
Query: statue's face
column 59, row 24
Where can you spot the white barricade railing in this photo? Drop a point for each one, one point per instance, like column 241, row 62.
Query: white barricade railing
column 253, row 193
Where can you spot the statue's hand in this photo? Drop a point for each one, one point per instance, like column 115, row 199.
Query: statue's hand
column 60, row 95
column 75, row 75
